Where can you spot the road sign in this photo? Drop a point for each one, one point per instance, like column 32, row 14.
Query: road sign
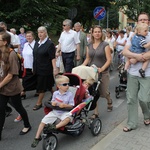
column 99, row 13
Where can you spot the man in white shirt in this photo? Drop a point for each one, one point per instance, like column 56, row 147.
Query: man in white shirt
column 4, row 26
column 68, row 44
column 16, row 41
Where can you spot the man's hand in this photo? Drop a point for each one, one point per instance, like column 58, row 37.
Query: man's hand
column 140, row 57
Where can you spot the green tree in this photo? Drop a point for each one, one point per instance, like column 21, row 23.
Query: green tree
column 33, row 13
column 132, row 8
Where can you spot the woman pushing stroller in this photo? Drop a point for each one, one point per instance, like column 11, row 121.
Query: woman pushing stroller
column 99, row 54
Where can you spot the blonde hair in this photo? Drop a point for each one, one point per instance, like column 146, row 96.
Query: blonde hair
column 89, row 81
column 141, row 26
column 61, row 78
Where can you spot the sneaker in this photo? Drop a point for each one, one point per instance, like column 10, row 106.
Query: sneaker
column 19, row 118
column 36, row 142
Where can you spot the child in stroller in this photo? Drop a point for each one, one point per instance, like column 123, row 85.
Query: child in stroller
column 78, row 116
column 62, row 98
column 122, row 80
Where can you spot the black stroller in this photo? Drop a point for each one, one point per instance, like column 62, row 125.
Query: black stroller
column 79, row 113
column 122, row 80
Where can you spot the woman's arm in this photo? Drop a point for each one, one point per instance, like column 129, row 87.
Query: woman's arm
column 6, row 80
column 87, row 59
column 108, row 59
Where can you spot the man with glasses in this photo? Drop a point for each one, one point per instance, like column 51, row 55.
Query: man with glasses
column 138, row 87
column 68, row 44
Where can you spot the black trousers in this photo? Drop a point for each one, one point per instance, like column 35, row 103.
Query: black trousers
column 68, row 61
column 17, row 104
column 29, row 81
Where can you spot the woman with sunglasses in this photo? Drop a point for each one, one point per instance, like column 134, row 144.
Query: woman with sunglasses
column 99, row 54
column 10, row 85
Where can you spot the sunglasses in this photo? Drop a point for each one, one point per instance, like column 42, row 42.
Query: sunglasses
column 64, row 84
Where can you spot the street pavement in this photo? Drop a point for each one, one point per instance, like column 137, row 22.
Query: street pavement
column 111, row 137
column 138, row 139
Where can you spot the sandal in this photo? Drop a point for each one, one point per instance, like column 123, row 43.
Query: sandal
column 94, row 116
column 147, row 122
column 142, row 73
column 36, row 107
column 109, row 107
column 126, row 129
column 36, row 142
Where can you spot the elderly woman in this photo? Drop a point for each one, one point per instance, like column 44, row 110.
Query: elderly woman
column 44, row 64
column 99, row 54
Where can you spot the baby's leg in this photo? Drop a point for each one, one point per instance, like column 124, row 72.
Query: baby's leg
column 127, row 64
column 145, row 64
column 133, row 61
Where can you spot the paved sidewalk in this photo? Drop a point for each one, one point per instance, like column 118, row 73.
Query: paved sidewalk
column 138, row 139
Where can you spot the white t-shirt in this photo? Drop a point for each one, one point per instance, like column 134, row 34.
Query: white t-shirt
column 68, row 41
column 16, row 41
column 134, row 68
column 28, row 54
column 12, row 37
column 121, row 41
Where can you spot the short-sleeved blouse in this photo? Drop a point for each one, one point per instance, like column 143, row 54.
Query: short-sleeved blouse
column 13, row 87
column 98, row 56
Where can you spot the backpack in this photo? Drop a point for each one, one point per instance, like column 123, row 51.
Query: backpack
column 20, row 62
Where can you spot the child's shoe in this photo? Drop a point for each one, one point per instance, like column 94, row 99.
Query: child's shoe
column 142, row 73
column 36, row 142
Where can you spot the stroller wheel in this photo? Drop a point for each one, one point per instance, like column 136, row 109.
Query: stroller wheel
column 50, row 142
column 117, row 95
column 96, row 126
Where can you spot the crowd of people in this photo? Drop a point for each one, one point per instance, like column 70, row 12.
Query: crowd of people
column 76, row 48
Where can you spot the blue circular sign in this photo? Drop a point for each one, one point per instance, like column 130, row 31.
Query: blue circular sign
column 99, row 13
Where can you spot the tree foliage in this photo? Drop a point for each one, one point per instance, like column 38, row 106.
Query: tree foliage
column 132, row 8
column 33, row 13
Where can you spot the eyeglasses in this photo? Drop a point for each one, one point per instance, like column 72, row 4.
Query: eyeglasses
column 64, row 84
column 143, row 20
